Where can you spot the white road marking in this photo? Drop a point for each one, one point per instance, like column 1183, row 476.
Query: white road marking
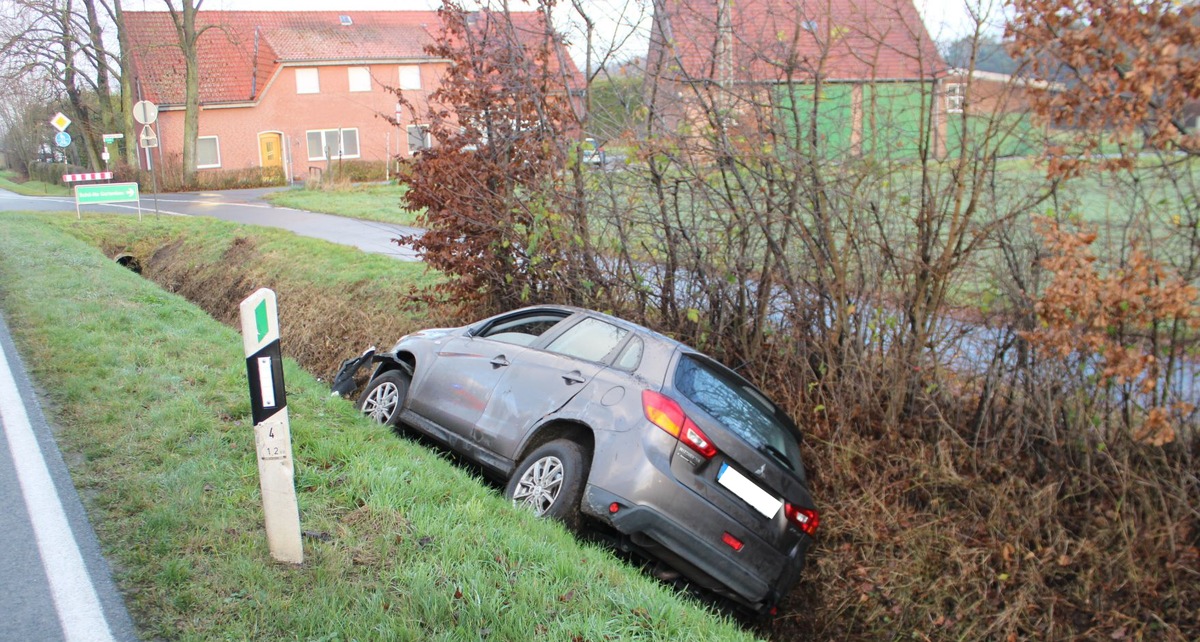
column 75, row 598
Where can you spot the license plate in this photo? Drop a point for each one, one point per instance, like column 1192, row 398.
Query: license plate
column 750, row 492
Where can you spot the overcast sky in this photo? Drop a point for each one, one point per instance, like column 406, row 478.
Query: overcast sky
column 621, row 24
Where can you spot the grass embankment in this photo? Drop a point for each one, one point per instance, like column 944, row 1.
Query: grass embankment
column 12, row 182
column 369, row 202
column 151, row 396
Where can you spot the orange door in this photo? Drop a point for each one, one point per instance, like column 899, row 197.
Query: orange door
column 270, row 149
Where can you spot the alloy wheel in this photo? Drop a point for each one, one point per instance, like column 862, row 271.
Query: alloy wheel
column 381, row 403
column 540, row 485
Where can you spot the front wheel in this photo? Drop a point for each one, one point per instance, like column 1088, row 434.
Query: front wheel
column 384, row 397
column 550, row 482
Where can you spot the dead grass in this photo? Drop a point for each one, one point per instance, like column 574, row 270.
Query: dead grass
column 930, row 541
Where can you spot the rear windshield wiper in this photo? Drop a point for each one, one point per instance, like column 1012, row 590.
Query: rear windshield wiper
column 778, row 455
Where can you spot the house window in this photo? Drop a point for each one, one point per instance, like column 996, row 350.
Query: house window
column 955, row 98
column 418, row 138
column 360, row 79
column 208, row 152
column 410, row 77
column 332, row 143
column 308, row 81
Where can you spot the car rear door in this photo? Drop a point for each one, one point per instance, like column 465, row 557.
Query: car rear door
column 544, row 380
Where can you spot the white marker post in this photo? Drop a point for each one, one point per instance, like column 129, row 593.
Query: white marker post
column 272, row 434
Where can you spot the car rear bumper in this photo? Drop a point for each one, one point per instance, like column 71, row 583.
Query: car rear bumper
column 688, row 528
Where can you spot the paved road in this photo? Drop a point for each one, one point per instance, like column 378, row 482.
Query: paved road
column 54, row 584
column 241, row 206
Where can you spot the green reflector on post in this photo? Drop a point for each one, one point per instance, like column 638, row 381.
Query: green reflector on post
column 260, row 320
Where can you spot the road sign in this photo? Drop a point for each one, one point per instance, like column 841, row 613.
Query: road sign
column 60, row 121
column 148, row 138
column 62, row 139
column 109, row 193
column 145, row 112
column 272, row 433
column 109, row 138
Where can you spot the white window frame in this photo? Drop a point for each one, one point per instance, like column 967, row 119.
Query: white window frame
column 359, row 79
column 427, row 138
column 410, row 77
column 217, row 143
column 333, row 149
column 308, row 80
column 956, row 97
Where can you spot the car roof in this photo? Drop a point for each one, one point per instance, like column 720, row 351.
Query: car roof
column 617, row 321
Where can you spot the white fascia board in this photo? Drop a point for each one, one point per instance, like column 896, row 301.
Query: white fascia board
column 361, row 62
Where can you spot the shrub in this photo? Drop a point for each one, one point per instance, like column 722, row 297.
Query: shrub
column 356, row 171
column 53, row 172
column 170, row 176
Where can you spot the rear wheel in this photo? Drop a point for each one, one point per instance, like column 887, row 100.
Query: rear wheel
column 550, row 482
column 384, row 397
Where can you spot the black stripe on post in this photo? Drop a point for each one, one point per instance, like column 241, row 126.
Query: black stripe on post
column 260, row 411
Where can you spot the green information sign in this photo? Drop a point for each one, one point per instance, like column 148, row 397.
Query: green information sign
column 108, row 193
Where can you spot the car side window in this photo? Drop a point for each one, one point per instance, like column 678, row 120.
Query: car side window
column 522, row 330
column 631, row 356
column 590, row 339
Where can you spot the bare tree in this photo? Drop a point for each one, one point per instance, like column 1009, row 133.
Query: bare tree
column 184, row 19
column 65, row 41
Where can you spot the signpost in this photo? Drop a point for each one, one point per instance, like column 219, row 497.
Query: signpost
column 62, row 139
column 107, row 193
column 145, row 113
column 272, row 432
column 109, row 139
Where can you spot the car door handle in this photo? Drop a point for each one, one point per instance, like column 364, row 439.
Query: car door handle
column 499, row 362
column 573, row 377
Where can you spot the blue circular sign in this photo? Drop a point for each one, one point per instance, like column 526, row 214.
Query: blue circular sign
column 62, row 139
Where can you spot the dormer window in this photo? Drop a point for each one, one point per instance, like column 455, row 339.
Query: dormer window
column 346, row 21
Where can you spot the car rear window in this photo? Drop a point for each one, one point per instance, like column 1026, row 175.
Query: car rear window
column 739, row 406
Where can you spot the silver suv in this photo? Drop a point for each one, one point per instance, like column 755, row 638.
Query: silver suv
column 589, row 416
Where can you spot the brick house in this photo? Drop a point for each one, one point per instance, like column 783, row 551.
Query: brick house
column 293, row 90
column 871, row 63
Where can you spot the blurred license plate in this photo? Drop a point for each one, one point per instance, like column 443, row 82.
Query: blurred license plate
column 750, row 492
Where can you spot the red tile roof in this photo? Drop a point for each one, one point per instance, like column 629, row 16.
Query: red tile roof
column 768, row 40
column 240, row 50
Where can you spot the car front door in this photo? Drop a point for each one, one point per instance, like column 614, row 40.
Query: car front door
column 540, row 382
column 457, row 387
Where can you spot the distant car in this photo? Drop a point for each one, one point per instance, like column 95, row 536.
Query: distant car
column 592, row 154
column 589, row 416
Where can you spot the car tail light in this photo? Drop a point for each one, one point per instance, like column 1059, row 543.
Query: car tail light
column 732, row 542
column 806, row 519
column 662, row 411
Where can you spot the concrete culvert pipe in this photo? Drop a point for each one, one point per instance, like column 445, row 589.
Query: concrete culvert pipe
column 125, row 259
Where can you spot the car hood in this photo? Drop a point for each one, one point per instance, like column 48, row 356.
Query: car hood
column 431, row 334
